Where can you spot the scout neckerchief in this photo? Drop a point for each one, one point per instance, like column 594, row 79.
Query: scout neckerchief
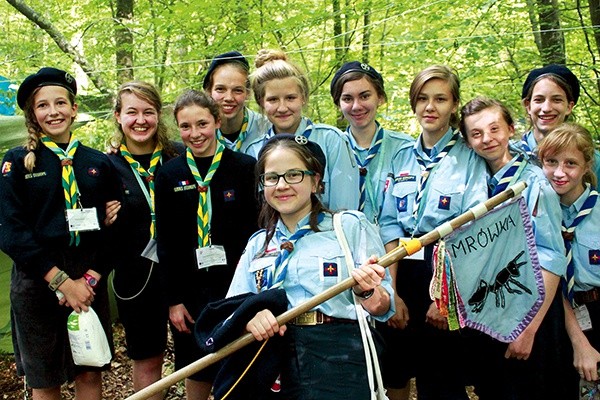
column 568, row 234
column 373, row 150
column 426, row 170
column 525, row 145
column 139, row 171
column 237, row 144
column 69, row 183
column 509, row 177
column 306, row 133
column 286, row 248
column 203, row 200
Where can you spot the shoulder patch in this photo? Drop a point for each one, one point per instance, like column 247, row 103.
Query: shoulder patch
column 6, row 168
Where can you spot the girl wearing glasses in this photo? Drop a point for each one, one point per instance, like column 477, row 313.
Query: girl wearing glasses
column 289, row 172
column 206, row 210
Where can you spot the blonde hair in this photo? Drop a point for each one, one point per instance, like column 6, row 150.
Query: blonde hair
column 570, row 135
column 436, row 72
column 34, row 130
column 149, row 94
column 274, row 64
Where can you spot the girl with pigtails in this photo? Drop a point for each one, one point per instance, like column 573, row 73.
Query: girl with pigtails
column 53, row 192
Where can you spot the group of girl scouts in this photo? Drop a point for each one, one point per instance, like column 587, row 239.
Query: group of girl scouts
column 246, row 204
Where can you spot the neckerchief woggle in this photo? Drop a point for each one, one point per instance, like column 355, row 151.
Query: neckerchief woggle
column 286, row 248
column 237, row 144
column 69, row 183
column 568, row 281
column 139, row 172
column 203, row 214
column 372, row 152
column 427, row 171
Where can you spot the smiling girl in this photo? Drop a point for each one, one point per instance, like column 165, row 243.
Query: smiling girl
column 143, row 145
column 567, row 157
column 226, row 81
column 289, row 171
column 206, row 210
column 358, row 90
column 440, row 179
column 534, row 365
column 53, row 193
column 281, row 90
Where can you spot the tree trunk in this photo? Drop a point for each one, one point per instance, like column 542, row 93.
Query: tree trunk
column 337, row 33
column 124, row 41
column 366, row 42
column 552, row 38
column 62, row 43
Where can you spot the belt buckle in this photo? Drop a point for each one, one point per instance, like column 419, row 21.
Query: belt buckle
column 307, row 318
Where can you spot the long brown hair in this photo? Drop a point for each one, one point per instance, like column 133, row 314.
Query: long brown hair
column 436, row 72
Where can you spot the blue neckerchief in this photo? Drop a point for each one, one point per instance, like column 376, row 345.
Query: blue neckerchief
column 373, row 150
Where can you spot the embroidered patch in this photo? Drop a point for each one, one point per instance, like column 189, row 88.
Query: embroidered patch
column 402, row 203
column 330, row 269
column 6, row 168
column 93, row 171
column 229, row 195
column 405, row 178
column 594, row 256
column 35, row 175
column 388, row 179
column 184, row 185
column 444, row 203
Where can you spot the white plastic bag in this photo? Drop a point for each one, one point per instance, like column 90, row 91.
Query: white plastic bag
column 89, row 344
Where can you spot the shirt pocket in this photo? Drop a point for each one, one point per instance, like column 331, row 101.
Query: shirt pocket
column 262, row 269
column 589, row 249
column 448, row 200
column 404, row 195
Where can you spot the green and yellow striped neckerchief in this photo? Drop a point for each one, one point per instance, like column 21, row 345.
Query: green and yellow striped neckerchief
column 147, row 175
column 69, row 183
column 203, row 186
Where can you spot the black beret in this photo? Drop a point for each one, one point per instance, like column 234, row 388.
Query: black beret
column 223, row 321
column 46, row 76
column 313, row 147
column 560, row 71
column 225, row 58
column 355, row 66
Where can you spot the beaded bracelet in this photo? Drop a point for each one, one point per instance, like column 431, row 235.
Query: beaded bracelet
column 58, row 280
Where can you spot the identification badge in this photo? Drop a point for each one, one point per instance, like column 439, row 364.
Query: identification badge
column 583, row 318
column 419, row 255
column 210, row 256
column 82, row 219
column 150, row 251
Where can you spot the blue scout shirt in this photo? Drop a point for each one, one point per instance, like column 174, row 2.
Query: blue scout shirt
column 586, row 244
column 545, row 213
column 529, row 145
column 341, row 173
column 378, row 168
column 455, row 185
column 256, row 130
column 316, row 264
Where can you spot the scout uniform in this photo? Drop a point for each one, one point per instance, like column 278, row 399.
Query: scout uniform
column 253, row 130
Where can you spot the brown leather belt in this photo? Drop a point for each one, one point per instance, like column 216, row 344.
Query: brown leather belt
column 318, row 318
column 587, row 296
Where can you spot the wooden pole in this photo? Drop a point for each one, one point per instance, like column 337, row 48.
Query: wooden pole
column 386, row 260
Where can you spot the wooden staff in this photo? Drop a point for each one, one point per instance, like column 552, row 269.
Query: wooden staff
column 386, row 260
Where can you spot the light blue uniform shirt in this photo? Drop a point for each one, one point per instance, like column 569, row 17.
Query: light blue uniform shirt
column 341, row 172
column 455, row 185
column 310, row 264
column 256, row 130
column 379, row 167
column 544, row 210
column 585, row 244
column 529, row 144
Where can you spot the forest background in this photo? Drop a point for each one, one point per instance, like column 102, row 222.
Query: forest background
column 492, row 44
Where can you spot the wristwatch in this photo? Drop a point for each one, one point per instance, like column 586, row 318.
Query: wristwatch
column 367, row 294
column 93, row 282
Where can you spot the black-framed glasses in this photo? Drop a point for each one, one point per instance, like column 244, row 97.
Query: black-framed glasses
column 291, row 176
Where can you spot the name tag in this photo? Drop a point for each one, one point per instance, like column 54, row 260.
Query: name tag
column 419, row 255
column 82, row 219
column 583, row 318
column 210, row 256
column 150, row 251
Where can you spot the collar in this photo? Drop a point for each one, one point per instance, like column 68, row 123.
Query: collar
column 437, row 148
